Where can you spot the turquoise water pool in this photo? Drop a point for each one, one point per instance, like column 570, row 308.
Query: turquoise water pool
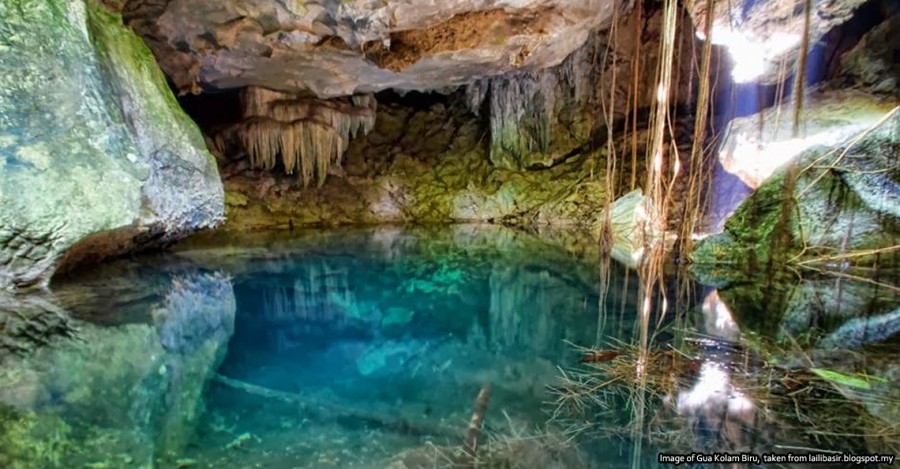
column 368, row 348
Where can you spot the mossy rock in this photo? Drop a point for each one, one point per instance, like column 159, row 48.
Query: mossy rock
column 844, row 199
column 96, row 156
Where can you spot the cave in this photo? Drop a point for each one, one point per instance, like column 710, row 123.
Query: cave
column 333, row 234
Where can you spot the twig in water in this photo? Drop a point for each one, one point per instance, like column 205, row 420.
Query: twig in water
column 473, row 435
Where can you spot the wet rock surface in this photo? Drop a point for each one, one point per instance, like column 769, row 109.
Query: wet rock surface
column 96, row 158
column 120, row 393
column 425, row 165
column 839, row 203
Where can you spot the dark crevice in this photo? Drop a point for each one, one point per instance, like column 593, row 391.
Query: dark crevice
column 213, row 110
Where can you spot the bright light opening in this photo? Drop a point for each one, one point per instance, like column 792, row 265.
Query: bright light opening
column 748, row 52
column 713, row 388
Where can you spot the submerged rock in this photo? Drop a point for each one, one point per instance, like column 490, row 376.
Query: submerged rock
column 96, row 157
column 28, row 322
column 118, row 395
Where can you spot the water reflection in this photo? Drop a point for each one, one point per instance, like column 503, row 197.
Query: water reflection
column 756, row 367
column 366, row 348
column 120, row 394
column 390, row 334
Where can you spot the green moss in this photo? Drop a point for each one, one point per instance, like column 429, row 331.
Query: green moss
column 235, row 199
column 129, row 62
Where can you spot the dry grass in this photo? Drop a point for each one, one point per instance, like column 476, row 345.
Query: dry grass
column 635, row 395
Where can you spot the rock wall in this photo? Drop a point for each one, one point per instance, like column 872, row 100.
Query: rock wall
column 418, row 165
column 96, row 157
column 527, row 147
column 541, row 117
column 834, row 201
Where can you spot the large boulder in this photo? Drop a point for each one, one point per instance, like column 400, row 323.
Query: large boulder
column 836, row 203
column 96, row 157
column 756, row 146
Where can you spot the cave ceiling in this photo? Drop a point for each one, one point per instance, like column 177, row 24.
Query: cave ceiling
column 339, row 47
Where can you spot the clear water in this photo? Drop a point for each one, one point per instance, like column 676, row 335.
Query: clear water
column 368, row 347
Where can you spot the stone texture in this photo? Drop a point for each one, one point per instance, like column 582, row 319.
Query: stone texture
column 299, row 134
column 873, row 62
column 756, row 146
column 338, row 48
column 846, row 199
column 96, row 157
column 424, row 166
column 761, row 34
column 28, row 322
column 541, row 117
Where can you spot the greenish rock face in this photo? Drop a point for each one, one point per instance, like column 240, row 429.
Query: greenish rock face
column 844, row 203
column 93, row 147
column 425, row 166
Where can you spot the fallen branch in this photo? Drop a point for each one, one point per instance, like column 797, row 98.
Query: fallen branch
column 333, row 409
column 473, row 435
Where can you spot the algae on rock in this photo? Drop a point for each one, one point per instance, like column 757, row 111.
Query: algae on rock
column 846, row 201
column 96, row 157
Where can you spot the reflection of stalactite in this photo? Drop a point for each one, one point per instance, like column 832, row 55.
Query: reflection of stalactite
column 529, row 309
column 319, row 293
column 527, row 107
column 310, row 135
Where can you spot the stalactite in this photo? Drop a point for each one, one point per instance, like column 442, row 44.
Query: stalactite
column 525, row 107
column 307, row 134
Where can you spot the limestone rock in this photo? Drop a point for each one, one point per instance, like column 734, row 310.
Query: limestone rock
column 96, row 157
column 310, row 135
column 846, row 199
column 873, row 63
column 420, row 166
column 756, row 146
column 541, row 117
column 338, row 48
